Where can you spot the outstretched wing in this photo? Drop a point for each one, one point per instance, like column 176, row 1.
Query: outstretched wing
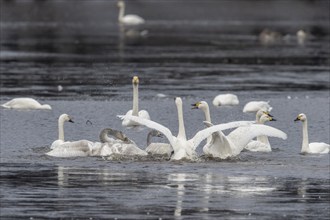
column 201, row 135
column 243, row 135
column 150, row 124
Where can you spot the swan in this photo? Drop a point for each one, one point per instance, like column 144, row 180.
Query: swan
column 25, row 103
column 312, row 148
column 255, row 106
column 128, row 19
column 182, row 147
column 221, row 146
column 122, row 145
column 61, row 120
column 135, row 111
column 225, row 99
column 60, row 148
column 262, row 143
column 162, row 149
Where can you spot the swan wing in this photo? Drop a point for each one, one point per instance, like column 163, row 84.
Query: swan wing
column 133, row 19
column 243, row 135
column 150, row 124
column 201, row 135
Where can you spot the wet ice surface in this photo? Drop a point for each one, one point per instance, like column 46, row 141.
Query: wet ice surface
column 84, row 68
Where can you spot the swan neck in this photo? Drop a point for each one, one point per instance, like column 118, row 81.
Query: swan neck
column 135, row 100
column 121, row 13
column 61, row 129
column 305, row 142
column 182, row 132
column 207, row 114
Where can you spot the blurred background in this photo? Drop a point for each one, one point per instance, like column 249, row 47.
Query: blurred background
column 57, row 49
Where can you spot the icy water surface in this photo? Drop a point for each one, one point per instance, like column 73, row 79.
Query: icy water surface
column 76, row 58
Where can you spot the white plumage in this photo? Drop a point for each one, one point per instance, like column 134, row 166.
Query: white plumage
column 255, row 106
column 312, row 148
column 25, row 103
column 225, row 99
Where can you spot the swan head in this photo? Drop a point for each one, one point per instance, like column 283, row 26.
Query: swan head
column 301, row 117
column 135, row 80
column 200, row 105
column 46, row 106
column 263, row 112
column 178, row 101
column 120, row 4
column 66, row 117
column 265, row 118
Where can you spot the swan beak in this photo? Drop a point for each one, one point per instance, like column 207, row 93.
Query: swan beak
column 297, row 119
column 70, row 120
column 195, row 106
column 272, row 119
column 267, row 113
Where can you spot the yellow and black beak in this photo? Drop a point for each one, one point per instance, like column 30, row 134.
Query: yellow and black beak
column 297, row 119
column 272, row 119
column 195, row 106
column 267, row 113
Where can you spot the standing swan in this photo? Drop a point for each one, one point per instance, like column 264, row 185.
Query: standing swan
column 25, row 103
column 183, row 148
column 221, row 146
column 312, row 148
column 128, row 19
column 135, row 111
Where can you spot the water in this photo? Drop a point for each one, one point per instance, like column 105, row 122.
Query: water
column 192, row 54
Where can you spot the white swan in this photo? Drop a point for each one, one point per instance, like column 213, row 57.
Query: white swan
column 225, row 99
column 183, row 148
column 135, row 111
column 60, row 148
column 221, row 146
column 161, row 149
column 312, row 148
column 122, row 145
column 61, row 120
column 128, row 19
column 255, row 106
column 262, row 143
column 25, row 103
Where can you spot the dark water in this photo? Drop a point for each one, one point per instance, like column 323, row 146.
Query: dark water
column 193, row 49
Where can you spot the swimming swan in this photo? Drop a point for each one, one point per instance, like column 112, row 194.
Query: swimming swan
column 128, row 19
column 255, row 106
column 225, row 99
column 25, row 103
column 61, row 120
column 161, row 149
column 183, row 148
column 135, row 111
column 221, row 146
column 60, row 148
column 122, row 145
column 312, row 148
